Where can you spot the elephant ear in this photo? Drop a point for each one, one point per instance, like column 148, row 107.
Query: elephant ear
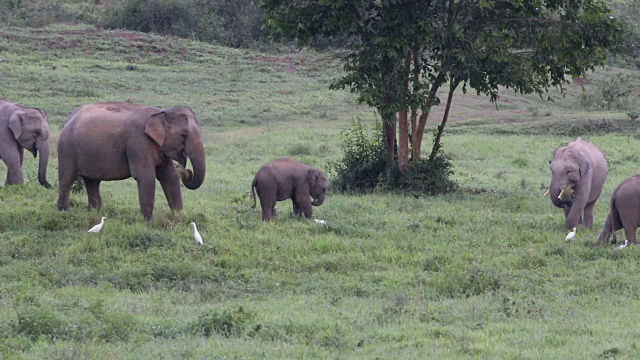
column 312, row 178
column 156, row 128
column 15, row 123
column 584, row 164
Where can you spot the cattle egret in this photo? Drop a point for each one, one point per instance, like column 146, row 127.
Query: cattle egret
column 98, row 227
column 626, row 242
column 321, row 222
column 196, row 234
column 571, row 235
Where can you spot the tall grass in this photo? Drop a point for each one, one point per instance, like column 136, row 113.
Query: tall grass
column 482, row 273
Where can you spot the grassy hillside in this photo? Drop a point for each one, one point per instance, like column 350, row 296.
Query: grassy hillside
column 484, row 273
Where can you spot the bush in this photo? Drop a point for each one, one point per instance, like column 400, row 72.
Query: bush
column 231, row 23
column 226, row 323
column 363, row 164
column 431, row 176
column 612, row 93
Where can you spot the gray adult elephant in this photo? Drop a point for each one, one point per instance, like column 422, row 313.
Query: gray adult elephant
column 624, row 212
column 23, row 128
column 118, row 140
column 285, row 178
column 578, row 172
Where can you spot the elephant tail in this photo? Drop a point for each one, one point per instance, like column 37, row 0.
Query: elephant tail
column 253, row 194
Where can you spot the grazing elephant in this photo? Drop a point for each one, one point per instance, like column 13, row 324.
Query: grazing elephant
column 283, row 179
column 118, row 140
column 23, row 128
column 578, row 172
column 624, row 212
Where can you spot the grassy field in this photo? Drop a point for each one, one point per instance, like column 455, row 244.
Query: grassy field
column 484, row 273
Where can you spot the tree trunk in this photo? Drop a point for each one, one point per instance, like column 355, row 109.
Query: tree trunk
column 389, row 134
column 403, row 146
column 436, row 143
column 422, row 123
column 414, row 111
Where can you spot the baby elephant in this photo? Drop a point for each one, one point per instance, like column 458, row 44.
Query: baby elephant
column 283, row 179
column 625, row 211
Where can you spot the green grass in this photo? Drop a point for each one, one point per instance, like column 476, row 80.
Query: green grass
column 484, row 273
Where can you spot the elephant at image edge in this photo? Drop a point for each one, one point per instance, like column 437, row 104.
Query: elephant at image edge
column 581, row 166
column 118, row 140
column 283, row 179
column 23, row 128
column 624, row 212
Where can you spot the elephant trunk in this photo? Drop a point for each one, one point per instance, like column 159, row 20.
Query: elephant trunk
column 318, row 201
column 554, row 193
column 43, row 148
column 193, row 179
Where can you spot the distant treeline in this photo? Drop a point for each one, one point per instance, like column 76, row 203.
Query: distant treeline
column 236, row 23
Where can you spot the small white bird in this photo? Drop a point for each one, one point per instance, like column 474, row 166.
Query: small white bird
column 196, row 234
column 626, row 242
column 98, row 227
column 321, row 222
column 571, row 235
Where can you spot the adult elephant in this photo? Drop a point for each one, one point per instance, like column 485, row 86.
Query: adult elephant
column 578, row 172
column 118, row 140
column 624, row 212
column 286, row 178
column 23, row 128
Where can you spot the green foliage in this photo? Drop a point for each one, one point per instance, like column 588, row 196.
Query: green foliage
column 431, row 176
column 613, row 93
column 363, row 165
column 226, row 323
column 232, row 23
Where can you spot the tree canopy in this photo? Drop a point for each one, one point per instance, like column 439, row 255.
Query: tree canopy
column 404, row 51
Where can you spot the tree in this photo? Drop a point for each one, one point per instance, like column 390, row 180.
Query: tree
column 404, row 51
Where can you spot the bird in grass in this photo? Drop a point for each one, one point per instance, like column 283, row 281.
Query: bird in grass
column 98, row 227
column 196, row 234
column 571, row 235
column 626, row 243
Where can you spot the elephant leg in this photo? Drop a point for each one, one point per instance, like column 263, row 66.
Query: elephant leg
column 170, row 182
column 67, row 175
column 301, row 198
column 268, row 200
column 14, row 169
column 146, row 195
column 587, row 216
column 297, row 211
column 630, row 232
column 93, row 192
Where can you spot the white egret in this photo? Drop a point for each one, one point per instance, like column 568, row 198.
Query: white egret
column 321, row 222
column 98, row 227
column 571, row 235
column 626, row 242
column 196, row 234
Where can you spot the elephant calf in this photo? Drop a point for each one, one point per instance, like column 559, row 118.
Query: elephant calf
column 118, row 140
column 23, row 128
column 579, row 168
column 285, row 178
column 624, row 212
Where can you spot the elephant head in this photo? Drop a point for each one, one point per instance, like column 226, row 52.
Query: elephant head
column 30, row 127
column 567, row 169
column 177, row 133
column 317, row 186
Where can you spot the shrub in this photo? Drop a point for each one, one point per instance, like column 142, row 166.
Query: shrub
column 227, row 323
column 363, row 164
column 431, row 176
column 231, row 23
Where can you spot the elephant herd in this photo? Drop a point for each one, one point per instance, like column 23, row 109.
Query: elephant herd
column 578, row 173
column 118, row 140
